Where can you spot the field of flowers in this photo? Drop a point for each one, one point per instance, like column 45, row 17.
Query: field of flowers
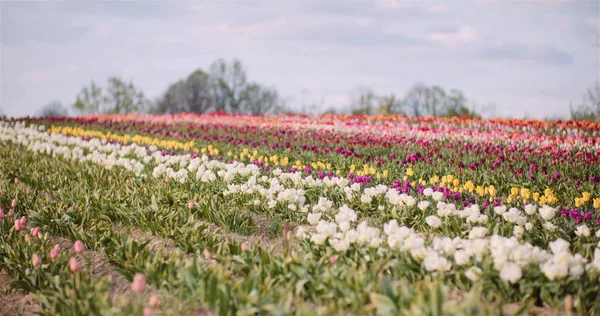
column 344, row 215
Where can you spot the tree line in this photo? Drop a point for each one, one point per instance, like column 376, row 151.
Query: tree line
column 225, row 87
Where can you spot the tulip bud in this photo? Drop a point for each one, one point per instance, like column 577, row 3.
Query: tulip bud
column 1, row 214
column 35, row 232
column 568, row 303
column 13, row 204
column 244, row 247
column 78, row 247
column 191, row 205
column 139, row 283
column 333, row 259
column 18, row 225
column 53, row 253
column 74, row 265
column 35, row 260
column 148, row 311
column 167, row 179
column 11, row 213
column 153, row 301
column 16, row 180
column 23, row 220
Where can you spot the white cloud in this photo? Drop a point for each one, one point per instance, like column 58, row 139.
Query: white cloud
column 463, row 34
column 438, row 9
column 392, row 4
column 363, row 22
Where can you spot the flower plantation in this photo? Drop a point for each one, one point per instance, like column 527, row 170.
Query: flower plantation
column 237, row 214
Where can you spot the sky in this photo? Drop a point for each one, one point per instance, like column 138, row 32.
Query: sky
column 511, row 58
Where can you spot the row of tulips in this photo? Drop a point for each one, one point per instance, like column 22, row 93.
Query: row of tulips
column 508, row 244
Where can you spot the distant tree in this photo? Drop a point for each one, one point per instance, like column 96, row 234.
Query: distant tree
column 123, row 97
column 190, row 95
column 227, row 84
column 435, row 101
column 90, row 100
column 54, row 109
column 415, row 101
column 259, row 100
column 589, row 109
column 364, row 101
column 119, row 97
column 390, row 104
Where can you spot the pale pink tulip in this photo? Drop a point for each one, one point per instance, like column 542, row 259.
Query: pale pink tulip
column 191, row 205
column 35, row 232
column 23, row 220
column 1, row 214
column 35, row 260
column 78, row 247
column 244, row 247
column 74, row 265
column 18, row 225
column 53, row 253
column 13, row 204
column 16, row 180
column 139, row 283
column 153, row 301
column 333, row 259
column 11, row 213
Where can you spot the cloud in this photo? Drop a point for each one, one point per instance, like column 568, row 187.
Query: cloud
column 463, row 34
column 542, row 53
column 438, row 9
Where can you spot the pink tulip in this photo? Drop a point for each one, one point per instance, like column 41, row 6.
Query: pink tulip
column 35, row 232
column 74, row 265
column 244, row 247
column 13, row 204
column 1, row 214
column 139, row 283
column 333, row 259
column 153, row 301
column 191, row 205
column 18, row 225
column 35, row 260
column 23, row 220
column 16, row 180
column 53, row 253
column 78, row 247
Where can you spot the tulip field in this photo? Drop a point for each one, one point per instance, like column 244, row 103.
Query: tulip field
column 223, row 214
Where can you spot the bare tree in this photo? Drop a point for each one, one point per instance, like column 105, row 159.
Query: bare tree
column 589, row 109
column 259, row 100
column 54, row 109
column 363, row 101
column 390, row 104
column 227, row 83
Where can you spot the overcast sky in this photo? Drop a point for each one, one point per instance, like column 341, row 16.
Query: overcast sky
column 528, row 57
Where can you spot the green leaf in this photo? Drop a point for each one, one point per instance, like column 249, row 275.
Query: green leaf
column 384, row 304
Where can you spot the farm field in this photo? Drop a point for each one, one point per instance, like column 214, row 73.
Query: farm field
column 288, row 214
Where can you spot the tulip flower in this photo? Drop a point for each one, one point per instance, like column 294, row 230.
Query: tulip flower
column 333, row 259
column 1, row 214
column 78, row 247
column 16, row 180
column 153, row 301
column 139, row 283
column 18, row 225
column 13, row 204
column 191, row 205
column 23, row 220
column 35, row 232
column 53, row 253
column 35, row 260
column 74, row 265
